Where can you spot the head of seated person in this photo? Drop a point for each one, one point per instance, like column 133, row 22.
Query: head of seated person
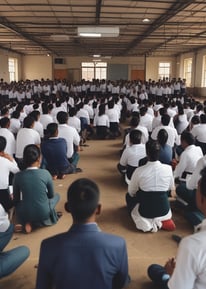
column 31, row 156
column 153, row 150
column 135, row 136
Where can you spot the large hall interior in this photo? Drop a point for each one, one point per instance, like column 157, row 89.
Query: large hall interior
column 128, row 48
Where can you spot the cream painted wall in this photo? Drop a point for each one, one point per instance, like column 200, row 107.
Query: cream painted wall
column 37, row 67
column 4, row 71
column 152, row 64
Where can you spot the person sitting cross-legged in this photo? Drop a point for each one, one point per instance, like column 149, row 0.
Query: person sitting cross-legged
column 11, row 259
column 54, row 151
column 147, row 197
column 34, row 196
column 188, row 270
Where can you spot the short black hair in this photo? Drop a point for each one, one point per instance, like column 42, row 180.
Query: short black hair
column 35, row 114
column 153, row 150
column 2, row 143
column 83, row 198
column 162, row 137
column 30, row 155
column 28, row 121
column 51, row 129
column 187, row 137
column 135, row 136
column 4, row 121
column 62, row 117
column 165, row 119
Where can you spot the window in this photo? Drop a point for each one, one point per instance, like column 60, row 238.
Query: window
column 91, row 70
column 188, row 70
column 164, row 70
column 12, row 65
column 204, row 72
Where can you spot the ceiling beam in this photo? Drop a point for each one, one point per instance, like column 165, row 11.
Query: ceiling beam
column 98, row 11
column 175, row 8
column 13, row 28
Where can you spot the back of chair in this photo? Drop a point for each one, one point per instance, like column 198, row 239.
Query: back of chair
column 153, row 204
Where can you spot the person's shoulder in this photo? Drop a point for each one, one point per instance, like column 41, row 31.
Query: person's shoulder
column 112, row 240
column 56, row 239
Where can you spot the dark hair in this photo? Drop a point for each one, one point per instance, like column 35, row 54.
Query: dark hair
column 15, row 114
column 62, row 117
column 202, row 182
column 51, row 129
column 72, row 111
column 135, row 136
column 187, row 137
column 195, row 119
column 4, row 122
column 203, row 118
column 30, row 155
column 165, row 119
column 35, row 114
column 83, row 198
column 134, row 121
column 153, row 149
column 28, row 121
column 44, row 107
column 162, row 137
column 2, row 143
column 101, row 109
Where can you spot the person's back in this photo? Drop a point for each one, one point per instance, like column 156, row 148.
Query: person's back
column 83, row 257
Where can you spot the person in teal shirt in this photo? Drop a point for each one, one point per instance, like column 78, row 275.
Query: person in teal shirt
column 34, row 196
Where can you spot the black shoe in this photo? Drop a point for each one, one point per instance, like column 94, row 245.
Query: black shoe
column 176, row 238
column 78, row 170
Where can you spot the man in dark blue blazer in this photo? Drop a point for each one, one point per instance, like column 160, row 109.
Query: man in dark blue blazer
column 84, row 257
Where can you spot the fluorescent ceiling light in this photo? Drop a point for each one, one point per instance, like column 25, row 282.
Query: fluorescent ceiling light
column 96, row 55
column 145, row 20
column 86, row 34
column 98, row 31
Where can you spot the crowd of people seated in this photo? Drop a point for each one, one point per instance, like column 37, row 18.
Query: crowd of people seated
column 44, row 123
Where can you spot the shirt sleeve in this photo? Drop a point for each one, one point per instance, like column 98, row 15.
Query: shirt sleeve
column 185, row 272
column 134, row 184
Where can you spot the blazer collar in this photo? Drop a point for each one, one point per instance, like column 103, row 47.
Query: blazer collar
column 90, row 227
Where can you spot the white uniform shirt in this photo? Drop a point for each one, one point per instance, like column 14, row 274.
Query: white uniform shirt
column 45, row 119
column 38, row 126
column 190, row 270
column 188, row 160
column 83, row 113
column 6, row 166
column 71, row 137
column 4, row 220
column 199, row 132
column 192, row 181
column 113, row 115
column 146, row 120
column 26, row 136
column 132, row 155
column 75, row 122
column 15, row 125
column 10, row 141
column 172, row 134
column 154, row 176
column 102, row 120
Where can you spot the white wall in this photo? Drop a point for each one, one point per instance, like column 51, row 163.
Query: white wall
column 4, row 71
column 37, row 67
column 152, row 65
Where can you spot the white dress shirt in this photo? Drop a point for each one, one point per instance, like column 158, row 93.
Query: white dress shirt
column 71, row 137
column 26, row 136
column 4, row 220
column 6, row 167
column 188, row 160
column 154, row 176
column 132, row 155
column 192, row 181
column 10, row 141
column 190, row 270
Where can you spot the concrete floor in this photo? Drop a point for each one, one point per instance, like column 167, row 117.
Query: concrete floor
column 98, row 162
